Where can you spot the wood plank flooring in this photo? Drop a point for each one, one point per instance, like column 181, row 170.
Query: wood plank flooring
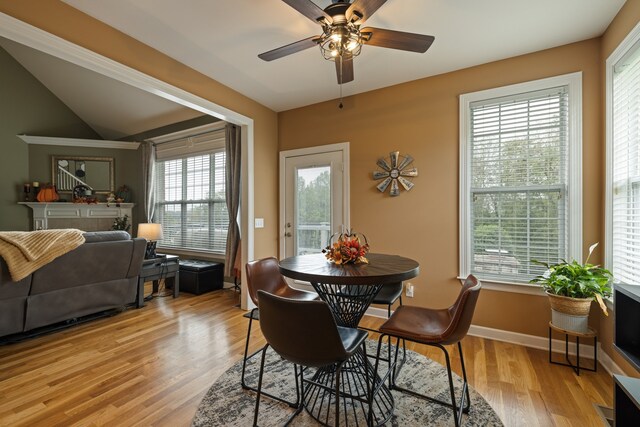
column 152, row 367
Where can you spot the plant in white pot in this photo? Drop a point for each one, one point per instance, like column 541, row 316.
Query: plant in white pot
column 571, row 286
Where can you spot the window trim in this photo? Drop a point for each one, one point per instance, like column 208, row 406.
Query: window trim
column 574, row 83
column 618, row 54
column 184, row 202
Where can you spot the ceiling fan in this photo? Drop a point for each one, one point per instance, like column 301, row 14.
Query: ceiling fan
column 342, row 36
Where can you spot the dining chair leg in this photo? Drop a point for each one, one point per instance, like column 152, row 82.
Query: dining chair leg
column 246, row 350
column 451, row 390
column 338, row 372
column 299, row 392
column 370, row 385
column 397, row 367
column 377, row 364
column 465, row 385
column 244, row 368
column 457, row 410
column 255, row 414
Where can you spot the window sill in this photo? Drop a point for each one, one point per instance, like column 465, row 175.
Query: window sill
column 516, row 288
column 212, row 256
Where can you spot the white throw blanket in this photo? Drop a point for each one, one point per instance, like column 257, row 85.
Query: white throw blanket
column 26, row 251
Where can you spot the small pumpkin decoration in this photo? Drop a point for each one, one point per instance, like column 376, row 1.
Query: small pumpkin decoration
column 47, row 194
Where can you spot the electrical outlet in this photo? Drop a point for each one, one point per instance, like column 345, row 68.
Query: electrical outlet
column 259, row 222
column 409, row 290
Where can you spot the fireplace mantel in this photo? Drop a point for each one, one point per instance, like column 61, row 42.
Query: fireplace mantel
column 43, row 212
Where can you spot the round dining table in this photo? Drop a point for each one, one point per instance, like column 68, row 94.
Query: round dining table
column 349, row 289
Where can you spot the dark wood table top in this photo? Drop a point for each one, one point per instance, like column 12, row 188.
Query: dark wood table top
column 381, row 269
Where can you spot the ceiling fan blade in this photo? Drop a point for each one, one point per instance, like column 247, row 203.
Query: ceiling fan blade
column 289, row 49
column 310, row 10
column 396, row 39
column 346, row 75
column 366, row 8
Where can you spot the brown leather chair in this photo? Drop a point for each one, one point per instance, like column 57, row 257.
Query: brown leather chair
column 435, row 327
column 264, row 274
column 306, row 334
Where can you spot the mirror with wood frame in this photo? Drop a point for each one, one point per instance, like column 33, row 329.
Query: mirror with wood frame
column 97, row 173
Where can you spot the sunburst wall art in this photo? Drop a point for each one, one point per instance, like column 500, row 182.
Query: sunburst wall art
column 394, row 173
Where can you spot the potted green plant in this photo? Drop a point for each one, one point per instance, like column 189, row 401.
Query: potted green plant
column 121, row 223
column 571, row 286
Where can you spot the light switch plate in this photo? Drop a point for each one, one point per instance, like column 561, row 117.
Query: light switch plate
column 259, row 222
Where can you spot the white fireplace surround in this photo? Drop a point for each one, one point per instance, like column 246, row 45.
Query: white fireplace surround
column 43, row 212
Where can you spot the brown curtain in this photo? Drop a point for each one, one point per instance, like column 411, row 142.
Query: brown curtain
column 232, row 185
column 149, row 179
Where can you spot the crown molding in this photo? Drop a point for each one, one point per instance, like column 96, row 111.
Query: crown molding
column 77, row 142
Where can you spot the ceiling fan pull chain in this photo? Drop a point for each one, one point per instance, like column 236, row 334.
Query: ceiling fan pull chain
column 340, row 105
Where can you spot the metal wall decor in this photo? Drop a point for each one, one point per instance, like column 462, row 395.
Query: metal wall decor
column 394, row 171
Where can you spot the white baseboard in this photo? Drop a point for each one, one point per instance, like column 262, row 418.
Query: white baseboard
column 377, row 312
column 227, row 285
column 533, row 341
column 542, row 343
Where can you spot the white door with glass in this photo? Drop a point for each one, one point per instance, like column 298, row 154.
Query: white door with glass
column 314, row 201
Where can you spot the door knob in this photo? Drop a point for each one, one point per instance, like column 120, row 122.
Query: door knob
column 287, row 234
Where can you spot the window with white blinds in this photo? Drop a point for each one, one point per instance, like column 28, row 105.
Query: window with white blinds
column 191, row 202
column 516, row 183
column 625, row 168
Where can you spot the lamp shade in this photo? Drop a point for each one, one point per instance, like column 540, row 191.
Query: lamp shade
column 150, row 231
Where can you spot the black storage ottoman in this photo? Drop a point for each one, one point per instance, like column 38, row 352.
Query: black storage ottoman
column 197, row 277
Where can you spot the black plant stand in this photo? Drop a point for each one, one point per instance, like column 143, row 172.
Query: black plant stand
column 576, row 368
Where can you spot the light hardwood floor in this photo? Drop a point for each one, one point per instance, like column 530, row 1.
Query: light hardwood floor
column 153, row 366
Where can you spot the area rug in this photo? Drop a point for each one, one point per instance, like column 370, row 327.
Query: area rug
column 227, row 404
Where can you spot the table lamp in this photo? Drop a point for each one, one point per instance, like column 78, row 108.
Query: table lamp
column 152, row 232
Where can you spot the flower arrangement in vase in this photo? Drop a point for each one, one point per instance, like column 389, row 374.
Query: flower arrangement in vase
column 347, row 248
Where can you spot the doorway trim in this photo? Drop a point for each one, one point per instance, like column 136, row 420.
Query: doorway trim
column 28, row 35
column 343, row 147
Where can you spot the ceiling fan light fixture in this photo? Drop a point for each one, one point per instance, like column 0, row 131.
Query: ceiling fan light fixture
column 352, row 45
column 341, row 39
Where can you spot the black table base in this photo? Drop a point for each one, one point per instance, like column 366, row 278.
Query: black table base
column 348, row 304
column 349, row 289
column 354, row 407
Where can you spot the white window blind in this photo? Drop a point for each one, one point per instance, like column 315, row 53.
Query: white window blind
column 191, row 202
column 518, row 200
column 625, row 172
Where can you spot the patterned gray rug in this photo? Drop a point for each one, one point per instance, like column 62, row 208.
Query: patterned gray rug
column 227, row 404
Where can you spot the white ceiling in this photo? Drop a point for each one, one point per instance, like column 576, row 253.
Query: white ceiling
column 113, row 109
column 223, row 38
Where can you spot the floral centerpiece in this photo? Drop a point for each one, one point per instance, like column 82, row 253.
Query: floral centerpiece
column 347, row 248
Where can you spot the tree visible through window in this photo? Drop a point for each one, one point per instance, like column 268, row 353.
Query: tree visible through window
column 516, row 183
column 624, row 168
column 191, row 202
column 313, row 192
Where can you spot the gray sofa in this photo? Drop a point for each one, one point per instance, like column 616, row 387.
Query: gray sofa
column 99, row 275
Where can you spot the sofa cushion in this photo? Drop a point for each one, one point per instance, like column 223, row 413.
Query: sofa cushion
column 89, row 263
column 105, row 236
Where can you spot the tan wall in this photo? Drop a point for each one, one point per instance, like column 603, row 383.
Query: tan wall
column 624, row 22
column 420, row 118
column 64, row 21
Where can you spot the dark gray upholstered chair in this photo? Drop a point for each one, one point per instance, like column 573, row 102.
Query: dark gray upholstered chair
column 435, row 327
column 306, row 334
column 264, row 274
column 388, row 295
